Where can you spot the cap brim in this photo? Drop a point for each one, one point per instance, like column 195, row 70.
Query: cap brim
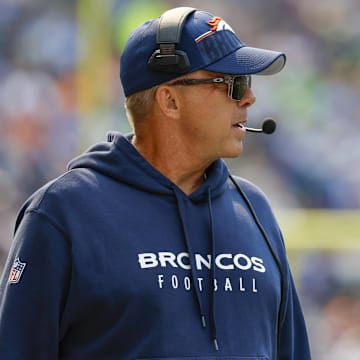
column 249, row 60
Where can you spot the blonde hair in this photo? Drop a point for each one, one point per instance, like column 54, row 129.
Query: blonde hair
column 138, row 105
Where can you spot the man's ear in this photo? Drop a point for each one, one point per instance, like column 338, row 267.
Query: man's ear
column 168, row 101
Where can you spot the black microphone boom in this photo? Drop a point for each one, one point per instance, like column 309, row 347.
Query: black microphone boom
column 268, row 127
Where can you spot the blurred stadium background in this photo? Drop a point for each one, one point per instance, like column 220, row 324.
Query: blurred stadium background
column 60, row 92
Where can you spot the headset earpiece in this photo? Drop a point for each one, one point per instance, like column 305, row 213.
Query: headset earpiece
column 167, row 58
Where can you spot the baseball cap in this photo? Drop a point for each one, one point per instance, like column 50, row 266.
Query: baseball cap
column 209, row 43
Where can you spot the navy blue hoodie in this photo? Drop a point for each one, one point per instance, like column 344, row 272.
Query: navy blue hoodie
column 113, row 261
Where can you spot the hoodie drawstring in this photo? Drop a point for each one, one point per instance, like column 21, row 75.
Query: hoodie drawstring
column 213, row 269
column 212, row 304
column 192, row 265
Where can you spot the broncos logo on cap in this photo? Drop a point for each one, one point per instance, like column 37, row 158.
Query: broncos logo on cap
column 216, row 24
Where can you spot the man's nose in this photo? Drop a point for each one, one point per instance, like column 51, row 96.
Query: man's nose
column 248, row 99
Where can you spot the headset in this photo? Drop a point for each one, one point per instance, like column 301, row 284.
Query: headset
column 167, row 58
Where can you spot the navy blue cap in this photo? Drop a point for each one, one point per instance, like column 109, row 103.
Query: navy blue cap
column 210, row 44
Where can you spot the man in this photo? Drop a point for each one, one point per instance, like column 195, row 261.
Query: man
column 147, row 247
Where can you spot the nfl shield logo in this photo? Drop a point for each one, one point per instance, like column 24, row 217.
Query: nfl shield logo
column 16, row 271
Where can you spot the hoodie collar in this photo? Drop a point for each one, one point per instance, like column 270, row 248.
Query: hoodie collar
column 119, row 159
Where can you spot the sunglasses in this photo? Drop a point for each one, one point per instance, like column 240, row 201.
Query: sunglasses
column 237, row 85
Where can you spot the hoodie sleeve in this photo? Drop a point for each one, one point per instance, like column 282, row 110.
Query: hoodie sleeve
column 33, row 290
column 293, row 339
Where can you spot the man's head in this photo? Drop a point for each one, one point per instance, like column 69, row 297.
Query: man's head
column 184, row 40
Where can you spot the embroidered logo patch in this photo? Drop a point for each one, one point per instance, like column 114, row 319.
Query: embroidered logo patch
column 215, row 24
column 16, row 271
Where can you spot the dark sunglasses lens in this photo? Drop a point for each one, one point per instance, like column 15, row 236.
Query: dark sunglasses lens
column 239, row 86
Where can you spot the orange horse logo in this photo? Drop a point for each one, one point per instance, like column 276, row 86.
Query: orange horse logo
column 216, row 24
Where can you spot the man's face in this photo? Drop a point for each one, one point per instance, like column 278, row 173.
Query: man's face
column 211, row 121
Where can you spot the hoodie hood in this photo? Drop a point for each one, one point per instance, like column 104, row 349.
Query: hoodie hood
column 117, row 158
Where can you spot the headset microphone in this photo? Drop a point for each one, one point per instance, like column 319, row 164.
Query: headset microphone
column 268, row 127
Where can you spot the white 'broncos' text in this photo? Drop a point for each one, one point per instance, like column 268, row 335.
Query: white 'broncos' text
column 224, row 262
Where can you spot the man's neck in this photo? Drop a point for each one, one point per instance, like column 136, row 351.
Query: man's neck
column 182, row 167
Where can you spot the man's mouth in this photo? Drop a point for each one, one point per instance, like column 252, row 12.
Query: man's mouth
column 239, row 124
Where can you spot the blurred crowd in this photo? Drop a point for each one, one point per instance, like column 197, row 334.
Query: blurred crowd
column 56, row 100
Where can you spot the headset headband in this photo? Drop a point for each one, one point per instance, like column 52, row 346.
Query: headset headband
column 167, row 58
